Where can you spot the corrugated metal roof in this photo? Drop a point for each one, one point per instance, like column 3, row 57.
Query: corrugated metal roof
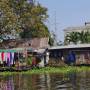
column 10, row 50
column 70, row 46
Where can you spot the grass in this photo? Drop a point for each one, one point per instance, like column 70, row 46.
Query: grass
column 58, row 70
column 64, row 70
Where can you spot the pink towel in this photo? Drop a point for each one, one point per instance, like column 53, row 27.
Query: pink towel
column 8, row 56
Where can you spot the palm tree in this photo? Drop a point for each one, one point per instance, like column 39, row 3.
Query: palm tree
column 83, row 37
column 88, row 37
column 75, row 37
column 72, row 37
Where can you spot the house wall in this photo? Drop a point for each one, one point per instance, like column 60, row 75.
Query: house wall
column 36, row 43
column 82, row 56
column 22, row 43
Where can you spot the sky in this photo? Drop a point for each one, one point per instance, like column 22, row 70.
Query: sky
column 66, row 13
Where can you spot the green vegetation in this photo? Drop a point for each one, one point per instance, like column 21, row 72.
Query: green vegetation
column 8, row 19
column 75, row 37
column 64, row 70
column 57, row 70
column 24, row 18
column 72, row 37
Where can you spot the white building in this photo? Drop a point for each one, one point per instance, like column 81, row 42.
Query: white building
column 84, row 28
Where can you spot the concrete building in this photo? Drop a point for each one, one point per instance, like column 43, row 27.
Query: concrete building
column 84, row 28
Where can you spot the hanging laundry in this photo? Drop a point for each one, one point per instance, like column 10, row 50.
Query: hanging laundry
column 2, row 55
column 4, row 59
column 5, row 56
column 11, row 58
column 8, row 58
column 16, row 56
column 0, row 58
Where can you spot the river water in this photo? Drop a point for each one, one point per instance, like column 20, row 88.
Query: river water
column 70, row 81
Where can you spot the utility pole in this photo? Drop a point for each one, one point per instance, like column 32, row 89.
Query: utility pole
column 55, row 29
column 55, row 22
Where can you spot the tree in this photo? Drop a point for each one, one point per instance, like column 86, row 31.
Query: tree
column 72, row 37
column 78, row 37
column 31, row 18
column 51, row 41
column 8, row 19
column 83, row 37
column 24, row 16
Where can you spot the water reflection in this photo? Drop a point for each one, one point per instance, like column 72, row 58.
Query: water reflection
column 71, row 81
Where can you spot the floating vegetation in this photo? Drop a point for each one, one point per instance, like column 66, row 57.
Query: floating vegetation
column 64, row 70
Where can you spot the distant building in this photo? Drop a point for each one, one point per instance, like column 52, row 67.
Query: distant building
column 84, row 28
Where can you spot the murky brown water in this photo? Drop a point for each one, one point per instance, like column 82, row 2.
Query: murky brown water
column 71, row 81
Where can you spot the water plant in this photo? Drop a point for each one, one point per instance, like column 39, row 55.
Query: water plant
column 64, row 70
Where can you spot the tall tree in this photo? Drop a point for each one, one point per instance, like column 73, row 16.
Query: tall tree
column 31, row 18
column 25, row 16
column 8, row 19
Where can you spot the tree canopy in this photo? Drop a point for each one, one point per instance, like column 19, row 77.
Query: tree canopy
column 78, row 37
column 26, row 17
column 8, row 19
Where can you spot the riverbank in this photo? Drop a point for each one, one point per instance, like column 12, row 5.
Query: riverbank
column 64, row 70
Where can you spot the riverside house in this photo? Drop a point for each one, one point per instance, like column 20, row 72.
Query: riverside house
column 23, row 47
column 59, row 54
